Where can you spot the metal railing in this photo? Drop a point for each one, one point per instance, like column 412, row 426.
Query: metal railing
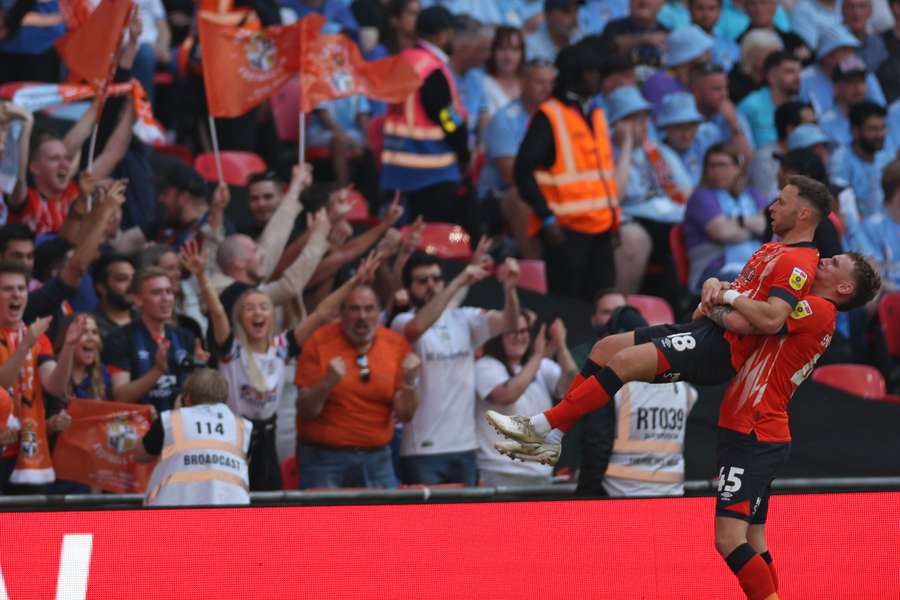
column 425, row 494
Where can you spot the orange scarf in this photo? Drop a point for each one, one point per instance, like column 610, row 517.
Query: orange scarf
column 663, row 173
column 33, row 465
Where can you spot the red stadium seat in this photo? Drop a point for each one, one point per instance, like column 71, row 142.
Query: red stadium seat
column 679, row 253
column 860, row 380
column 654, row 309
column 8, row 90
column 237, row 167
column 359, row 213
column 163, row 78
column 290, row 475
column 889, row 315
column 285, row 105
column 533, row 275
column 445, row 240
column 176, row 150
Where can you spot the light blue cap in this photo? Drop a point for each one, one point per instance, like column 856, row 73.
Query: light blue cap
column 806, row 135
column 625, row 101
column 833, row 37
column 685, row 44
column 677, row 108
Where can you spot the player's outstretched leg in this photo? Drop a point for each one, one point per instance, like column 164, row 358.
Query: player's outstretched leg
column 750, row 568
column 601, row 353
column 542, row 433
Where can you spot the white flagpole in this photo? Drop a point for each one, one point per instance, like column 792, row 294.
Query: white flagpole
column 90, row 165
column 302, row 139
column 215, row 143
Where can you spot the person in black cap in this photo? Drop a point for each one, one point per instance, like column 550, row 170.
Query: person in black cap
column 565, row 171
column 426, row 147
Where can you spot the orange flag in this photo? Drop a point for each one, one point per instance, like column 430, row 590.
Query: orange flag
column 243, row 66
column 332, row 67
column 97, row 448
column 91, row 51
column 74, row 12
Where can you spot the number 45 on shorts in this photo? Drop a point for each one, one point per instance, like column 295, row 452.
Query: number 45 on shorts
column 729, row 484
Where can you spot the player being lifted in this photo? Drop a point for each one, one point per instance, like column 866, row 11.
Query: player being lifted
column 701, row 351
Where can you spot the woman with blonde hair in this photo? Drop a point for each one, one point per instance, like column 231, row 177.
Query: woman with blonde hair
column 253, row 358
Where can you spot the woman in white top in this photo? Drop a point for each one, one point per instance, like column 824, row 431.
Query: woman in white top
column 516, row 373
column 503, row 82
column 253, row 359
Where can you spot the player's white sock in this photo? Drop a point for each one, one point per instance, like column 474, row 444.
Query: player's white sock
column 555, row 436
column 540, row 424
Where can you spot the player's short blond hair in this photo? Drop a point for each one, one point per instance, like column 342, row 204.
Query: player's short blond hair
column 205, row 386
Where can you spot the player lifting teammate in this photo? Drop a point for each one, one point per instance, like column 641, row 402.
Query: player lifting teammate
column 754, row 437
column 773, row 280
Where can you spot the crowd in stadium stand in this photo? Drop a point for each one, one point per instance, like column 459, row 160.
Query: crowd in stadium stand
column 125, row 265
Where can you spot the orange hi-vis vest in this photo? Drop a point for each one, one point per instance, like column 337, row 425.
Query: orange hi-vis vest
column 415, row 153
column 33, row 464
column 580, row 187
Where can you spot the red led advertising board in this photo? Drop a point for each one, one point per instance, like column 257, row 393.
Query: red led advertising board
column 826, row 547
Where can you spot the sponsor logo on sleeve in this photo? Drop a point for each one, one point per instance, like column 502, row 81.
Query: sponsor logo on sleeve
column 798, row 279
column 801, row 310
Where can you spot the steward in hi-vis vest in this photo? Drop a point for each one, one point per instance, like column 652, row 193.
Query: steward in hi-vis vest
column 202, row 448
column 565, row 171
column 426, row 137
column 648, row 452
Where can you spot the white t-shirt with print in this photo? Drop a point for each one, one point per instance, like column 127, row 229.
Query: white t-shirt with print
column 445, row 419
column 243, row 398
column 537, row 397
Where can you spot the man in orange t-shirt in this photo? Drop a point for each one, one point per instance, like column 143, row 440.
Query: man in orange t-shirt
column 354, row 377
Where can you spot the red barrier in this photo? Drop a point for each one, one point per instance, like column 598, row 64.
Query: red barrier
column 826, row 547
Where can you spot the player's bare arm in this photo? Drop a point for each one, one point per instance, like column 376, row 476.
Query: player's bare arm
column 766, row 316
column 728, row 318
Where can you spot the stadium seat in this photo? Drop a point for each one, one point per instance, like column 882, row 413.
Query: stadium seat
column 237, row 167
column 889, row 316
column 285, row 105
column 290, row 475
column 654, row 309
column 533, row 275
column 359, row 213
column 859, row 380
column 176, row 150
column 8, row 90
column 679, row 253
column 445, row 240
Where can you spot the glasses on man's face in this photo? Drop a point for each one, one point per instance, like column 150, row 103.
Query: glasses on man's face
column 423, row 279
column 362, row 362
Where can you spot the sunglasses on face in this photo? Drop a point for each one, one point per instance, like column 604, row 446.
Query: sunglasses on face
column 362, row 362
column 426, row 278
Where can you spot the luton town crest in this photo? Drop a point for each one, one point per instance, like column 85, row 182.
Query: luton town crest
column 260, row 52
column 121, row 435
column 29, row 438
column 341, row 78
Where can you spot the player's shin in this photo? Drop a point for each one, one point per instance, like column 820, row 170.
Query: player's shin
column 594, row 393
column 752, row 573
